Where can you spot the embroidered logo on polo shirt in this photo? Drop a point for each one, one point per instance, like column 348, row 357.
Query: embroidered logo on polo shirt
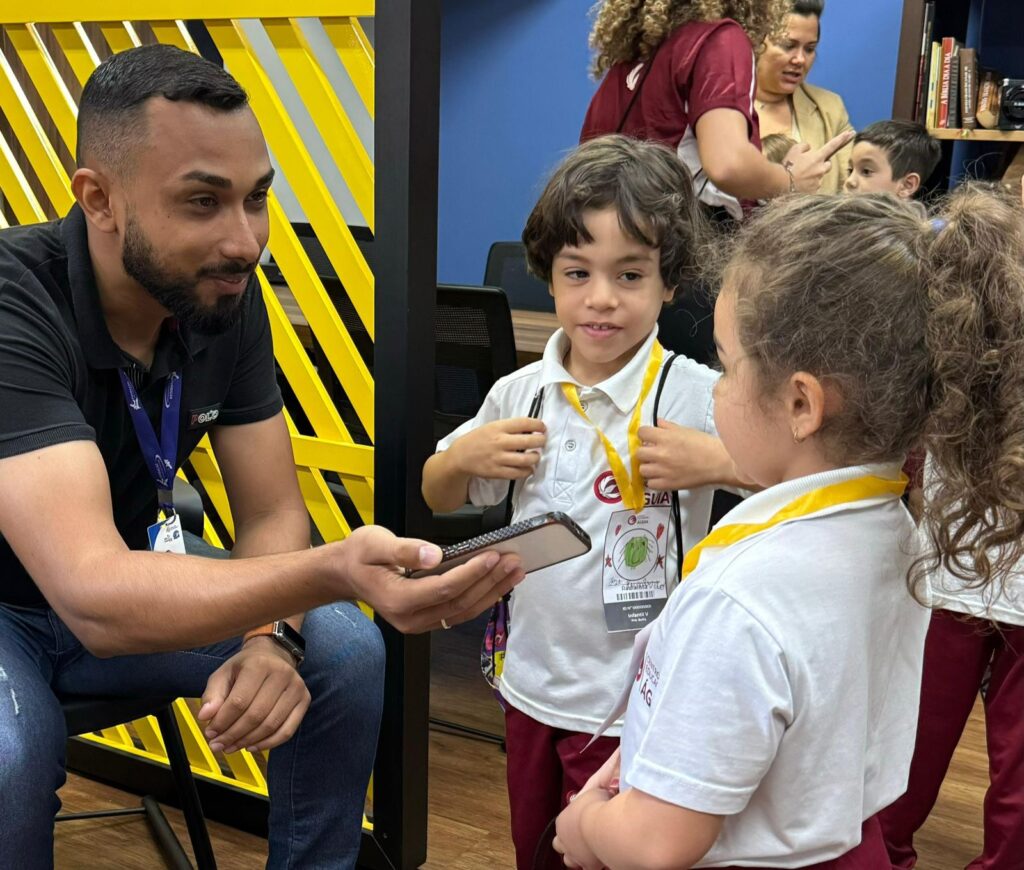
column 634, row 76
column 203, row 416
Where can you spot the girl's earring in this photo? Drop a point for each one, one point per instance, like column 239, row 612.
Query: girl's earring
column 797, row 437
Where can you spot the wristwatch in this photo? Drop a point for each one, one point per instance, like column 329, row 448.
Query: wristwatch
column 285, row 635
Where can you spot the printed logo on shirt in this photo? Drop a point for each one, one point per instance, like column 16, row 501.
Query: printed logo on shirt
column 203, row 416
column 607, row 490
column 634, row 76
column 648, row 677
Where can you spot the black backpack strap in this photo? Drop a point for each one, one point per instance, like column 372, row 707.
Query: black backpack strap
column 536, row 406
column 676, row 511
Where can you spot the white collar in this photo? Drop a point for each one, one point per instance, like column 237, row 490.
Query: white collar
column 761, row 506
column 623, row 388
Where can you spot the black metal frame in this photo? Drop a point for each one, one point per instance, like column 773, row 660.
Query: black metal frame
column 408, row 34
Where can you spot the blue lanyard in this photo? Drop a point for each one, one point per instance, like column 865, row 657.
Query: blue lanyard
column 161, row 456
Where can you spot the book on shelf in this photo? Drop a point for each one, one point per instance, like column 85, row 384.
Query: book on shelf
column 988, row 99
column 931, row 115
column 968, row 88
column 948, row 45
column 924, row 63
column 953, row 118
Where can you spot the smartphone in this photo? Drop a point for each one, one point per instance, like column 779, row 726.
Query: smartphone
column 540, row 542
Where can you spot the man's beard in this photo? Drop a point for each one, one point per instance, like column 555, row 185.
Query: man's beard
column 176, row 292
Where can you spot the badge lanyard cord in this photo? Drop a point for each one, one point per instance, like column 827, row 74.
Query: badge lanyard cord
column 676, row 513
column 160, row 455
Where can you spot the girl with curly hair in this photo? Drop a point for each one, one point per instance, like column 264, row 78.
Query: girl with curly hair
column 682, row 72
column 774, row 707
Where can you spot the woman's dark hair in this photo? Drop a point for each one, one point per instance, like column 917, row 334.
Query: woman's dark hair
column 808, row 7
column 647, row 185
column 111, row 111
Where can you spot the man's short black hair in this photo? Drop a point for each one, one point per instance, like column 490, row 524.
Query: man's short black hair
column 110, row 114
column 908, row 146
column 808, row 7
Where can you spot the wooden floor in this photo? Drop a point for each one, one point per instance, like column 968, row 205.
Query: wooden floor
column 468, row 826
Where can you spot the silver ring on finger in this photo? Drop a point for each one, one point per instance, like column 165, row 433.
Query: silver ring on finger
column 444, row 624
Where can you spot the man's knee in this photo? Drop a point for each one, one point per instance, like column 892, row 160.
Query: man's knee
column 32, row 738
column 346, row 647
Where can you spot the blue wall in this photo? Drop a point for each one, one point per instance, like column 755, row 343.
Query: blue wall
column 514, row 89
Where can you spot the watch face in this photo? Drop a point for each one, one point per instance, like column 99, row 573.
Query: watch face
column 291, row 636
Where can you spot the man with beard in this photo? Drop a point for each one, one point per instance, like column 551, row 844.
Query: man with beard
column 127, row 331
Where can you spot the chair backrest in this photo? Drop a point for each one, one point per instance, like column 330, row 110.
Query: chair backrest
column 474, row 346
column 506, row 268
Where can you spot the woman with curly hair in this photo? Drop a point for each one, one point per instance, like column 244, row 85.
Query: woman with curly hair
column 682, row 72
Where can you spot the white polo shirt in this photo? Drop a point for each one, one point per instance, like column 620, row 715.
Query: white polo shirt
column 780, row 685
column 1000, row 602
column 562, row 665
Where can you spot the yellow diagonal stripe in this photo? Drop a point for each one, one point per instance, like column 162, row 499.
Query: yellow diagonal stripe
column 356, row 54
column 299, row 169
column 337, row 132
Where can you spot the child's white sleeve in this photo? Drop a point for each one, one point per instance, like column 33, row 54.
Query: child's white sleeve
column 482, row 492
column 718, row 712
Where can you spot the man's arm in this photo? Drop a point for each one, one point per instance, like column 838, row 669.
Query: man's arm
column 55, row 512
column 258, row 468
column 267, row 507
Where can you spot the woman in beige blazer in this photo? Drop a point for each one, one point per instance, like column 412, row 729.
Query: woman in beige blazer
column 786, row 104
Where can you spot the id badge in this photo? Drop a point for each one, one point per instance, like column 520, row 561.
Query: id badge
column 165, row 536
column 634, row 576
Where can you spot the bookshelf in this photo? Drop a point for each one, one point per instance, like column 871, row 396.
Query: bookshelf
column 995, row 29
column 978, row 135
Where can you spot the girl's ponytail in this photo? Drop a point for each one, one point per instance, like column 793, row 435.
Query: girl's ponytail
column 973, row 273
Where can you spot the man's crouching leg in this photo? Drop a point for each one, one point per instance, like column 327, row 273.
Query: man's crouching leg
column 318, row 779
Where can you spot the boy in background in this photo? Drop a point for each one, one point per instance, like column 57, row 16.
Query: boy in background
column 894, row 157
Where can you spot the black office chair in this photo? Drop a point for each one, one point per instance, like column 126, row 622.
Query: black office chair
column 83, row 714
column 473, row 347
column 506, row 268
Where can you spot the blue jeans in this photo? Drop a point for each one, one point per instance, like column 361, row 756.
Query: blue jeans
column 317, row 780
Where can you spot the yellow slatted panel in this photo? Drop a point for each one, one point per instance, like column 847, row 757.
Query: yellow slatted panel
column 120, row 36
column 174, row 33
column 206, row 467
column 27, row 130
column 339, row 136
column 149, row 734
column 157, row 10
column 3, row 222
column 245, row 770
column 47, row 80
column 299, row 168
column 200, row 756
column 16, row 189
column 323, row 318
column 77, row 48
column 117, row 734
column 356, row 54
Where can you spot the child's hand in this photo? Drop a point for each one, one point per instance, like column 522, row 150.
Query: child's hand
column 607, row 776
column 677, row 457
column 502, row 450
column 569, row 841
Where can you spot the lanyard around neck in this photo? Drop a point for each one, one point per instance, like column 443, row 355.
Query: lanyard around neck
column 631, row 487
column 848, row 491
column 161, row 456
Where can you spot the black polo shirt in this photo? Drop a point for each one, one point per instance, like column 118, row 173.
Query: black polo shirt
column 59, row 376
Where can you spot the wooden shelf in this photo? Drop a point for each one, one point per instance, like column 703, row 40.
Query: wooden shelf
column 978, row 135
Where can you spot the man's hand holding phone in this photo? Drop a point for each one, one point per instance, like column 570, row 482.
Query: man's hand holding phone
column 374, row 561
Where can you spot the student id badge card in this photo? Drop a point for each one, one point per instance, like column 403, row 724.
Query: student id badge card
column 635, row 567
